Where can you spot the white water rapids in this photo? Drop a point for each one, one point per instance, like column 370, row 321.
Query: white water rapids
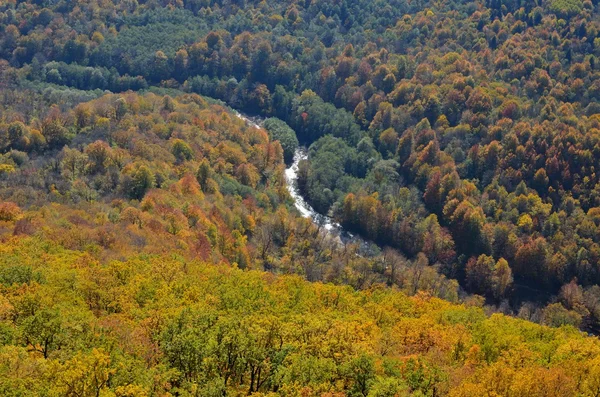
column 304, row 208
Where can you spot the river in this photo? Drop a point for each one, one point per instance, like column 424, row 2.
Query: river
column 333, row 228
column 305, row 209
column 337, row 232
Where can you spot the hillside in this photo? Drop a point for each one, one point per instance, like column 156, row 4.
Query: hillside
column 125, row 262
column 150, row 245
column 128, row 174
column 464, row 132
column 157, row 324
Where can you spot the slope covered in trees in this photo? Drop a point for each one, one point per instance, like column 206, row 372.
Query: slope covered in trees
column 120, row 216
column 463, row 131
column 157, row 324
column 131, row 173
column 128, row 233
column 461, row 137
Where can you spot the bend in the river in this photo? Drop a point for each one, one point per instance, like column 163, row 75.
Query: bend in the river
column 304, row 208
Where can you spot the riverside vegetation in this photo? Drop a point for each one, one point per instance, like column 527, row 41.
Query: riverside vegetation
column 149, row 244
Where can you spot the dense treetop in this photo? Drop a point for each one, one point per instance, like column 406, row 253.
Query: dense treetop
column 159, row 325
column 461, row 137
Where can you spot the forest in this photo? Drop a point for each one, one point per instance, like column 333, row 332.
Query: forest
column 150, row 245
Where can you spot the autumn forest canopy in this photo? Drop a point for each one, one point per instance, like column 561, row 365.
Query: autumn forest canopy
column 149, row 244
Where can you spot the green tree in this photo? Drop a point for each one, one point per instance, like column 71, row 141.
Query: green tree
column 280, row 131
column 72, row 163
column 203, row 174
column 181, row 150
column 142, row 180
